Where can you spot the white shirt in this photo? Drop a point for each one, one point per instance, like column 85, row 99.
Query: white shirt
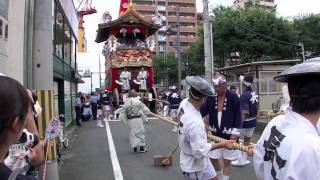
column 158, row 20
column 192, row 139
column 299, row 148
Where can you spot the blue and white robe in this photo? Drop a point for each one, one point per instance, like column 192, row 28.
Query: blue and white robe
column 231, row 116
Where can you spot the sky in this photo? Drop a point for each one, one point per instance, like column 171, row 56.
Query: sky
column 285, row 8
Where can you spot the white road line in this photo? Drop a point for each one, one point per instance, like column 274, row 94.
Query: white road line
column 113, row 155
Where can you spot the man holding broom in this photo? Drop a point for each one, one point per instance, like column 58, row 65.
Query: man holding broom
column 194, row 156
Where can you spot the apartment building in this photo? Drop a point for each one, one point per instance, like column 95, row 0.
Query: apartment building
column 168, row 8
column 268, row 4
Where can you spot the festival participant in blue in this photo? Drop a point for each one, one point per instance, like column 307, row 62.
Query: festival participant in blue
column 224, row 121
column 174, row 100
column 194, row 156
column 249, row 108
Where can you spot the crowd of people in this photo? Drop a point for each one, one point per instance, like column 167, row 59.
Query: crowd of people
column 93, row 106
column 288, row 149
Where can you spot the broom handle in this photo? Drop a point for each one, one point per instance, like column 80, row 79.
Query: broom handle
column 210, row 137
column 173, row 151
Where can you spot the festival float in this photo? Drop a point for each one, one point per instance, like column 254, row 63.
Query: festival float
column 128, row 53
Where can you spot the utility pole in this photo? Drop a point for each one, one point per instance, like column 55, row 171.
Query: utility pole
column 207, row 44
column 211, row 48
column 91, row 81
column 302, row 51
column 178, row 49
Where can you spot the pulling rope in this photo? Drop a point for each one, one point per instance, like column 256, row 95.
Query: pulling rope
column 46, row 161
column 217, row 139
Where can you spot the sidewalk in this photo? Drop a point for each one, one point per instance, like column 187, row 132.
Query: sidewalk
column 88, row 153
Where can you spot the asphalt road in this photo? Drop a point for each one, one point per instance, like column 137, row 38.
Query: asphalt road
column 89, row 156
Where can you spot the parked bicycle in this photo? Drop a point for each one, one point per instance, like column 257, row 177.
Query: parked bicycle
column 63, row 140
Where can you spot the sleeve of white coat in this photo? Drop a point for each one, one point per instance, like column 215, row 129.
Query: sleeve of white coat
column 304, row 163
column 145, row 109
column 199, row 146
column 258, row 161
column 123, row 115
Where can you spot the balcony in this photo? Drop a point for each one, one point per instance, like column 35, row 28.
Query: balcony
column 266, row 4
column 172, row 49
column 182, row 1
column 182, row 9
column 189, row 39
column 188, row 19
column 188, row 29
column 144, row 8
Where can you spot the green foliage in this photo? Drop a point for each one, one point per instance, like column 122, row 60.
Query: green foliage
column 247, row 35
column 164, row 68
column 195, row 56
column 235, row 32
column 308, row 30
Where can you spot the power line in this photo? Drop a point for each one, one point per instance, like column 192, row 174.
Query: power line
column 267, row 37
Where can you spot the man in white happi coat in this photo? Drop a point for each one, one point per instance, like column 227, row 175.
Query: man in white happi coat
column 194, row 156
column 125, row 78
column 142, row 78
column 132, row 113
column 289, row 147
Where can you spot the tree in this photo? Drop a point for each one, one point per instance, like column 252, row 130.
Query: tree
column 308, row 29
column 252, row 34
column 195, row 56
column 165, row 68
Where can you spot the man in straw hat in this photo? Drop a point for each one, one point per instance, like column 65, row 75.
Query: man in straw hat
column 289, row 147
column 224, row 121
column 194, row 156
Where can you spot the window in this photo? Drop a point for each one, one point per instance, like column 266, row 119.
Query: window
column 73, row 52
column 1, row 24
column 161, row 37
column 59, row 34
column 161, row 48
column 67, row 44
column 6, row 32
column 267, row 85
column 54, row 13
column 161, row 8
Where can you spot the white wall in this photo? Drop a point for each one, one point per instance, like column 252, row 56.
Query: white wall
column 3, row 47
column 14, row 64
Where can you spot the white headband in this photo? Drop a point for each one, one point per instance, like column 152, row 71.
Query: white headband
column 219, row 80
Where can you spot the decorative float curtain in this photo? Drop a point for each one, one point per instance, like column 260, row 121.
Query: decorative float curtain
column 123, row 6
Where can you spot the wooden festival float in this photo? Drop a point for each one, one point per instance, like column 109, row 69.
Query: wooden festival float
column 128, row 45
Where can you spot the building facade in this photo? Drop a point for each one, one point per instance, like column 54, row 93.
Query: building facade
column 263, row 73
column 38, row 47
column 168, row 8
column 4, row 7
column 267, row 4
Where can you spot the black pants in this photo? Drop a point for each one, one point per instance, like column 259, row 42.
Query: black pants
column 94, row 110
column 78, row 114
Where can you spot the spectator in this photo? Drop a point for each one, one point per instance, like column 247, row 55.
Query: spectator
column 94, row 101
column 16, row 107
column 77, row 107
column 87, row 112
